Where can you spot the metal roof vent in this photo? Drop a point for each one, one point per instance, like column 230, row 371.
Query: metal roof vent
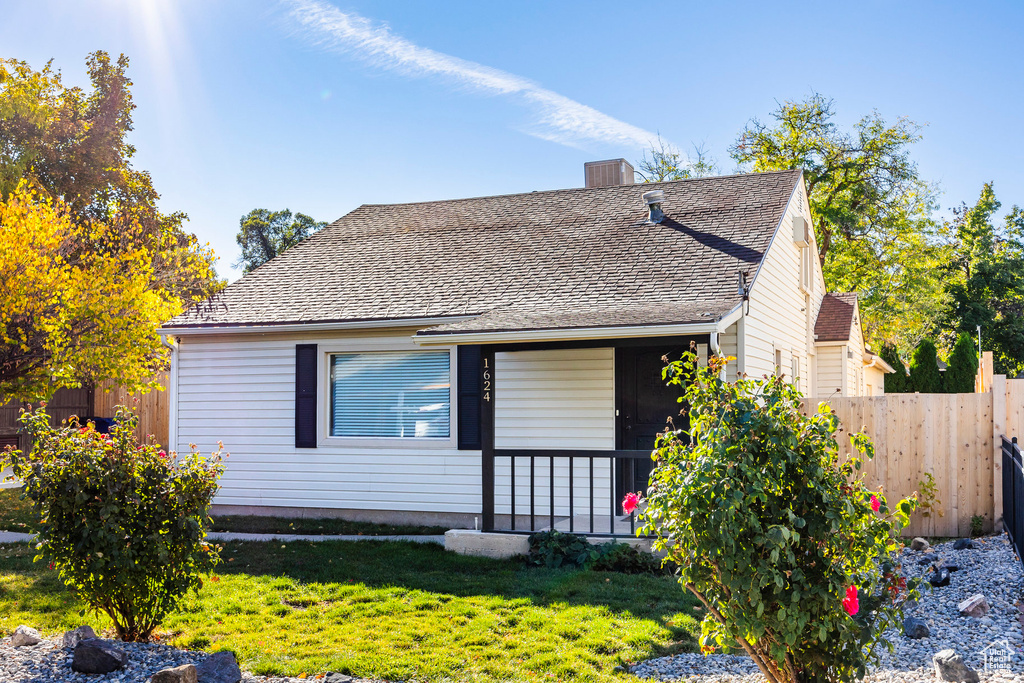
column 654, row 199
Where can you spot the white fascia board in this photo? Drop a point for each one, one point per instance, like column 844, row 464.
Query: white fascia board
column 579, row 334
column 313, row 327
column 845, row 342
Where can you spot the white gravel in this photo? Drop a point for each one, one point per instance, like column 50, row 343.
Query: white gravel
column 991, row 569
column 48, row 662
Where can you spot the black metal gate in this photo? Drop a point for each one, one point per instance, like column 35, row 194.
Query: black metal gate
column 1013, row 494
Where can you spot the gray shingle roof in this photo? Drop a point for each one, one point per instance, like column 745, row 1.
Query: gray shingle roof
column 562, row 258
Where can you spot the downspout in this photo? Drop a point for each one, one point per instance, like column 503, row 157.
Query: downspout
column 172, row 387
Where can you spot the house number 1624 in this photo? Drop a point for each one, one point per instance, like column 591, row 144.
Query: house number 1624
column 487, row 380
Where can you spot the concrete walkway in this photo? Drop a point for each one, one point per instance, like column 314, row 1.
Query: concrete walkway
column 12, row 537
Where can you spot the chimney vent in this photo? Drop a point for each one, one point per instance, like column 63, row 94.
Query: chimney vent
column 608, row 172
column 654, row 199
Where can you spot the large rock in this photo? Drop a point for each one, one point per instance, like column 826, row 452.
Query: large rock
column 919, row 544
column 949, row 666
column 73, row 638
column 96, row 656
column 913, row 628
column 24, row 636
column 939, row 577
column 950, row 565
column 334, row 677
column 964, row 544
column 220, row 667
column 928, row 559
column 974, row 606
column 186, row 673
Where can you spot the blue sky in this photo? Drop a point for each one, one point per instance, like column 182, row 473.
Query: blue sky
column 322, row 105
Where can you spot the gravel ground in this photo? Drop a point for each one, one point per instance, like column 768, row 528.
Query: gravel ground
column 47, row 662
column 990, row 569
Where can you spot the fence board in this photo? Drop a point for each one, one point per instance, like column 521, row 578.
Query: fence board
column 153, row 408
column 948, row 435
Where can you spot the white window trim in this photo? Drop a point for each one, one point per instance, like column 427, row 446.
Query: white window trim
column 325, row 440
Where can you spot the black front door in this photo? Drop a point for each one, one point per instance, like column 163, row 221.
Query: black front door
column 645, row 404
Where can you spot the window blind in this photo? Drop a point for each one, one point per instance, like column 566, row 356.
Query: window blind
column 398, row 395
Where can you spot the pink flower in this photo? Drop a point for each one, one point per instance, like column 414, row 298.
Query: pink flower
column 850, row 602
column 875, row 505
column 163, row 454
column 630, row 502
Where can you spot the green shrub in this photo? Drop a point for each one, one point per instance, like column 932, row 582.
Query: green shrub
column 122, row 522
column 555, row 549
column 793, row 559
column 895, row 382
column 924, row 369
column 962, row 367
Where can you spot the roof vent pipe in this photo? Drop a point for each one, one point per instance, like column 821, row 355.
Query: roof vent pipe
column 654, row 199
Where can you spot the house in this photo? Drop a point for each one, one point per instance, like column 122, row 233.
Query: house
column 845, row 364
column 495, row 361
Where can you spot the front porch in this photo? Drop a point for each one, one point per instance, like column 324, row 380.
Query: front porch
column 567, row 429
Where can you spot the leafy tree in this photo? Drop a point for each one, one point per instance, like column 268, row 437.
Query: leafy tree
column 123, row 523
column 924, row 369
column 120, row 266
column 985, row 279
column 962, row 366
column 872, row 214
column 668, row 163
column 794, row 562
column 897, row 382
column 263, row 234
column 69, row 313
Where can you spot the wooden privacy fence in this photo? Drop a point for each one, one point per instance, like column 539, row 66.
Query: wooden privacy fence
column 949, row 436
column 153, row 407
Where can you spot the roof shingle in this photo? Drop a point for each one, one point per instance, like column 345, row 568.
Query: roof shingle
column 835, row 317
column 562, row 258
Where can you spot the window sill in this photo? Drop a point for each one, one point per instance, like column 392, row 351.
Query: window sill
column 366, row 442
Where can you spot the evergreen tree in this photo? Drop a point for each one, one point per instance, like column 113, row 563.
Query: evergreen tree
column 896, row 382
column 924, row 369
column 962, row 366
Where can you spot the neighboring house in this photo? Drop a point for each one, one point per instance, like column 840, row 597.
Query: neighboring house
column 846, row 366
column 412, row 361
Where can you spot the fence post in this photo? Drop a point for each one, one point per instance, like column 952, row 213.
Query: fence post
column 998, row 430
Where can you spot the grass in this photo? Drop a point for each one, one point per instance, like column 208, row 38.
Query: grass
column 397, row 611
column 17, row 515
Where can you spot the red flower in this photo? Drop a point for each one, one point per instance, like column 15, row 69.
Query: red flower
column 162, row 454
column 875, row 505
column 850, row 602
column 630, row 502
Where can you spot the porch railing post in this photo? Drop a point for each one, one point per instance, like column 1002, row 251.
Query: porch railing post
column 487, row 437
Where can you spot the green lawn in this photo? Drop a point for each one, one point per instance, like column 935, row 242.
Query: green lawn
column 397, row 611
column 17, row 515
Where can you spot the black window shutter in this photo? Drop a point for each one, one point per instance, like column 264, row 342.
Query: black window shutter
column 305, row 395
column 470, row 390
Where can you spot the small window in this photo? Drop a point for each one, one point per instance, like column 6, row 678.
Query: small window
column 778, row 363
column 807, row 269
column 393, row 395
column 794, row 378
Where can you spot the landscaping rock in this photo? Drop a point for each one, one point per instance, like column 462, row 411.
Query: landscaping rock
column 919, row 544
column 220, row 667
column 912, row 628
column 949, row 666
column 964, row 544
column 73, row 638
column 25, row 636
column 337, row 678
column 928, row 559
column 96, row 656
column 949, row 564
column 975, row 606
column 186, row 673
column 939, row 578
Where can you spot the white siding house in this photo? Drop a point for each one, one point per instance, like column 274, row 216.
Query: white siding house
column 496, row 361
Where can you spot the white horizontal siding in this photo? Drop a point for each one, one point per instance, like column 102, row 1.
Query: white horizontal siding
column 241, row 390
column 555, row 399
column 830, row 371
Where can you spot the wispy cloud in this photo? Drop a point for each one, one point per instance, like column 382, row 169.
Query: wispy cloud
column 559, row 118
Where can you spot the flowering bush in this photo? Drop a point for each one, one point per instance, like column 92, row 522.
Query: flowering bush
column 122, row 522
column 793, row 559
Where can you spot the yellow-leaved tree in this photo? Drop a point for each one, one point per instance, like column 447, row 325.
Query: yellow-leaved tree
column 73, row 307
